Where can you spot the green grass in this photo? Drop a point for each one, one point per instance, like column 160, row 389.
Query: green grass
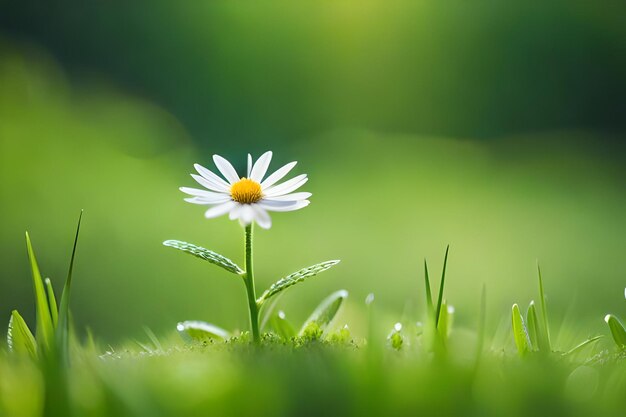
column 433, row 368
column 311, row 377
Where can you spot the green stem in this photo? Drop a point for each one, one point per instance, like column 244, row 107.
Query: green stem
column 249, row 281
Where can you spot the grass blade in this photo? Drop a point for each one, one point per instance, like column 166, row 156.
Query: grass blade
column 482, row 320
column 19, row 337
column 445, row 320
column 45, row 329
column 532, row 326
column 63, row 329
column 441, row 286
column 544, row 310
column 52, row 302
column 520, row 334
column 207, row 255
column 429, row 296
column 295, row 278
column 582, row 345
column 617, row 330
column 198, row 331
column 326, row 311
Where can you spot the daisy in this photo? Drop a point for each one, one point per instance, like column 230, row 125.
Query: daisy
column 247, row 198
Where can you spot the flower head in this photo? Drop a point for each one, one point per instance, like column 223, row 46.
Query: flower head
column 247, row 198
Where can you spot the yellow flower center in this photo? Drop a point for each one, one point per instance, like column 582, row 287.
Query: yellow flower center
column 246, row 191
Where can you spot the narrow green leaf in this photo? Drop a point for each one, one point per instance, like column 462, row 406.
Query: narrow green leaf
column 441, row 286
column 52, row 302
column 207, row 255
column 617, row 330
column 45, row 328
column 198, row 331
column 429, row 297
column 295, row 278
column 445, row 320
column 155, row 340
column 19, row 337
column 63, row 329
column 582, row 345
column 481, row 324
column 533, row 326
column 282, row 326
column 326, row 311
column 544, row 310
column 519, row 331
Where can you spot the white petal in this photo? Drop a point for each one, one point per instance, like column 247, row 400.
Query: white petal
column 206, row 200
column 261, row 217
column 220, row 209
column 290, row 197
column 249, row 165
column 211, row 185
column 247, row 214
column 200, row 193
column 283, row 205
column 219, row 184
column 260, row 167
column 235, row 212
column 287, row 186
column 226, row 169
column 278, row 175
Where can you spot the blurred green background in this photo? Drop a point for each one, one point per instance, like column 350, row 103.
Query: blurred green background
column 497, row 128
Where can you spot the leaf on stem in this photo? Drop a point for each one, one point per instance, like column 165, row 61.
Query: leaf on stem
column 207, row 255
column 295, row 278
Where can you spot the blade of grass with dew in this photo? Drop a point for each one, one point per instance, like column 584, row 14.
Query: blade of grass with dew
column 326, row 311
column 205, row 254
column 295, row 278
column 52, row 302
column 617, row 330
column 282, row 326
column 532, row 327
column 580, row 346
column 44, row 327
column 197, row 331
column 441, row 287
column 63, row 329
column 520, row 334
column 544, row 310
column 19, row 337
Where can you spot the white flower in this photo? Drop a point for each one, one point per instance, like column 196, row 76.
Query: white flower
column 248, row 198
